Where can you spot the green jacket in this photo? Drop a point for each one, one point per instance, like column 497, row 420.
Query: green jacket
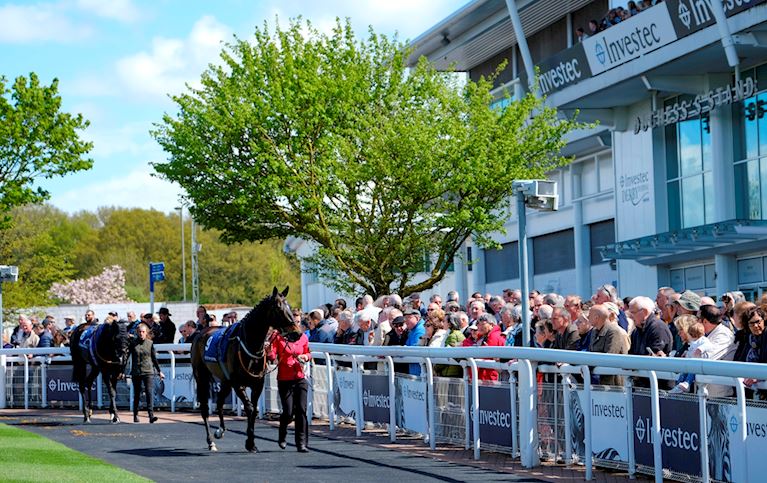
column 144, row 359
column 453, row 339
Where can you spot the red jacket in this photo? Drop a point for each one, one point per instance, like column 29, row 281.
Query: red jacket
column 289, row 368
column 494, row 338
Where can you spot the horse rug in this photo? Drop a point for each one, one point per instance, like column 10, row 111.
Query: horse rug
column 218, row 343
column 88, row 340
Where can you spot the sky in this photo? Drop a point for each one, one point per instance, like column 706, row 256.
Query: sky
column 117, row 62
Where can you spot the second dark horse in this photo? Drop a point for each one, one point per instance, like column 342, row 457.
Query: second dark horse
column 241, row 364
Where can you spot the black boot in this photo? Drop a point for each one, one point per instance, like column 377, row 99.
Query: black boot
column 152, row 418
column 135, row 418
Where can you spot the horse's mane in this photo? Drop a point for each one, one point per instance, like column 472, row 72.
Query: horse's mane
column 257, row 310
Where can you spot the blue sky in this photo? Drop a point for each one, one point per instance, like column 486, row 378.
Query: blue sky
column 117, row 61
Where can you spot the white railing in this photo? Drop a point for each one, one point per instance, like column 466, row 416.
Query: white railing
column 530, row 409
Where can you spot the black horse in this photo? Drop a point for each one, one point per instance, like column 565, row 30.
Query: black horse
column 235, row 357
column 104, row 348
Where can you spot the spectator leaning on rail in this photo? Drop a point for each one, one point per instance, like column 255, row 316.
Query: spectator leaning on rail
column 566, row 333
column 722, row 344
column 651, row 336
column 607, row 338
column 754, row 346
column 416, row 329
column 319, row 328
column 490, row 336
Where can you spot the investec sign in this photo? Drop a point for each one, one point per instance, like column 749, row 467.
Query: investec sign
column 690, row 16
column 628, row 40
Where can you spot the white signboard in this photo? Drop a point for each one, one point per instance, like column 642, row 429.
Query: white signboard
column 345, row 393
column 609, row 424
column 411, row 405
column 634, row 37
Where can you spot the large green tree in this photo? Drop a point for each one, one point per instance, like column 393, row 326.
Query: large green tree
column 37, row 140
column 335, row 140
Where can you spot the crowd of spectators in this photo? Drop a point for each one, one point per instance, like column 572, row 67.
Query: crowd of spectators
column 672, row 325
column 614, row 16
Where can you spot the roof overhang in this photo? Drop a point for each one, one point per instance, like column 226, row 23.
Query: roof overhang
column 703, row 241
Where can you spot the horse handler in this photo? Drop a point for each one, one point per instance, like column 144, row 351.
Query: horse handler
column 143, row 367
column 292, row 351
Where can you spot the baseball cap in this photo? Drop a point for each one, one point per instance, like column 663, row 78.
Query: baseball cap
column 399, row 320
column 689, row 300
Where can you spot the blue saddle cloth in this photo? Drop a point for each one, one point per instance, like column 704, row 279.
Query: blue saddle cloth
column 88, row 340
column 218, row 343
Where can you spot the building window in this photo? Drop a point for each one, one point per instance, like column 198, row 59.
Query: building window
column 698, row 278
column 601, row 234
column 502, row 264
column 553, row 252
column 689, row 181
column 750, row 142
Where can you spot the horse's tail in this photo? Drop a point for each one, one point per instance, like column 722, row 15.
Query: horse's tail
column 78, row 361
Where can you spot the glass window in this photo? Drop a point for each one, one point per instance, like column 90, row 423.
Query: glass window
column 754, row 203
column 750, row 270
column 601, row 234
column 677, row 280
column 502, row 264
column 553, row 252
column 692, row 205
column 589, row 177
column 688, row 173
column 710, row 276
column 606, row 177
column 690, row 144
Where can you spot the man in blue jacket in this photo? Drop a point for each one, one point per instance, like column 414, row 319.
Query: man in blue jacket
column 416, row 330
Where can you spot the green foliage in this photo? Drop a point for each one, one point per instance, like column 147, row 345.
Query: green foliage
column 37, row 140
column 50, row 246
column 333, row 140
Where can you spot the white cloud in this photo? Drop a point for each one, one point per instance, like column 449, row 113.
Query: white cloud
column 136, row 189
column 40, row 22
column 172, row 62
column 120, row 10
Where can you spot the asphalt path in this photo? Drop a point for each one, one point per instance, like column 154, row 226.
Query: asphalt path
column 176, row 451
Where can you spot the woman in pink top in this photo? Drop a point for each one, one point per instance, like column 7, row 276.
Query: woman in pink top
column 291, row 351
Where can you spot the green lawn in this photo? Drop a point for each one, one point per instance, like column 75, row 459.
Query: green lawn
column 26, row 456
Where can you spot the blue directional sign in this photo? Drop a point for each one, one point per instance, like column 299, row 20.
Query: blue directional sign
column 156, row 267
column 156, row 274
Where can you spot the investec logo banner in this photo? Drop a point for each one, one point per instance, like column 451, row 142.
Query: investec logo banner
column 630, row 39
column 690, row 16
column 563, row 70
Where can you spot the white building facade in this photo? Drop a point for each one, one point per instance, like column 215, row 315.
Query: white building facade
column 670, row 187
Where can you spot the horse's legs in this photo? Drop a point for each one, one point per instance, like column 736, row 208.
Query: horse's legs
column 225, row 390
column 112, row 388
column 250, row 413
column 88, row 408
column 203, row 394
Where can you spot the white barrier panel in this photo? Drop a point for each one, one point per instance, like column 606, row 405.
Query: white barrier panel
column 609, row 424
column 184, row 385
column 345, row 393
column 411, row 404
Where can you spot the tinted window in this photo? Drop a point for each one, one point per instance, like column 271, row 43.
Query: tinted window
column 553, row 252
column 502, row 264
column 601, row 234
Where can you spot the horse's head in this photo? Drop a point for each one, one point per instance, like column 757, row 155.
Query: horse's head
column 279, row 314
column 118, row 334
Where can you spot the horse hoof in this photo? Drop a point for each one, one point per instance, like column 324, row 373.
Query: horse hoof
column 251, row 447
column 87, row 421
column 219, row 433
column 212, row 447
column 115, row 420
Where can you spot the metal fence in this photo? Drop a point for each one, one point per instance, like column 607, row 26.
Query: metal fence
column 544, row 405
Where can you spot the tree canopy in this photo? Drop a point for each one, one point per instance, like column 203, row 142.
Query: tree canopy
column 335, row 140
column 51, row 247
column 37, row 140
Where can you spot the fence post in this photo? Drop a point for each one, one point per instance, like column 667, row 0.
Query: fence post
column 740, row 392
column 514, row 421
column 656, row 431
column 331, row 395
column 430, row 392
column 26, row 382
column 99, row 390
column 475, row 405
column 568, row 430
column 702, row 420
column 528, row 421
column 628, row 384
column 172, row 381
column 358, row 378
column 586, row 372
column 3, row 394
column 392, row 401
column 44, row 383
column 467, row 413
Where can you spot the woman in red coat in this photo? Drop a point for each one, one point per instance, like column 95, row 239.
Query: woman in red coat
column 292, row 351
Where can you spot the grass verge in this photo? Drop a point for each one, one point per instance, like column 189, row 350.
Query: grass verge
column 28, row 457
